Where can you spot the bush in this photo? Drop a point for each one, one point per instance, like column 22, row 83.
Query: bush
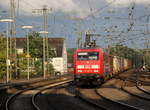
column 51, row 69
column 2, row 67
column 38, row 67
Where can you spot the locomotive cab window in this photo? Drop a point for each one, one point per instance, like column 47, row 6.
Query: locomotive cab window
column 88, row 56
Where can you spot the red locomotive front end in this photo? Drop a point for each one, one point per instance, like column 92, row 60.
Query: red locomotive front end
column 88, row 64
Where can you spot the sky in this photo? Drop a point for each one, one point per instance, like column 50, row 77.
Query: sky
column 70, row 18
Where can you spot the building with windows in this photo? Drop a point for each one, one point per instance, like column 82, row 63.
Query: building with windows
column 57, row 45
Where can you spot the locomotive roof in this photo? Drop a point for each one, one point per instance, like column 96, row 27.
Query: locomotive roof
column 84, row 49
column 93, row 48
column 104, row 50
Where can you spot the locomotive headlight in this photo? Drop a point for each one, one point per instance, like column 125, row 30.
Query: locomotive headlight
column 80, row 66
column 94, row 66
column 79, row 70
column 96, row 71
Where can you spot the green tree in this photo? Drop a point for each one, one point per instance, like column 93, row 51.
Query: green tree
column 36, row 46
column 22, row 61
column 22, row 65
column 36, row 51
column 133, row 54
column 38, row 67
column 2, row 55
column 146, row 55
column 70, row 53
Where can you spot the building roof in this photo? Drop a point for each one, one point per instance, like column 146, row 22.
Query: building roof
column 55, row 43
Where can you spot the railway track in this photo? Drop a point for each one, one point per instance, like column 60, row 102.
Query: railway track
column 36, row 106
column 126, row 99
column 122, row 106
column 142, row 89
column 14, row 97
column 113, row 104
column 138, row 84
column 92, row 103
column 34, row 94
column 104, row 103
column 4, row 88
column 143, row 78
column 25, row 93
column 55, row 106
column 134, row 80
column 137, row 90
column 54, row 98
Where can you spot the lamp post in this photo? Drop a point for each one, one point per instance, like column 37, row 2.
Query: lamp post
column 44, row 32
column 7, row 56
column 28, row 55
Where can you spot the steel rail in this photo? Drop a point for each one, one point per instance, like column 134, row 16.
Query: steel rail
column 142, row 89
column 127, row 106
column 127, row 91
column 136, row 81
column 22, row 91
column 144, row 98
column 81, row 97
column 4, row 87
column 43, row 89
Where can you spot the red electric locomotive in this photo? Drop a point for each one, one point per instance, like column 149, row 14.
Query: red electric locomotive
column 91, row 63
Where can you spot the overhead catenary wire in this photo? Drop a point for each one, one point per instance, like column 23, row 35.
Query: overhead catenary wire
column 99, row 10
column 92, row 14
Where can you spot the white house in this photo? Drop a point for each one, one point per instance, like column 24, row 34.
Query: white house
column 58, row 45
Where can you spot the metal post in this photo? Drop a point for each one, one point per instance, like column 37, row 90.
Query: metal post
column 10, row 53
column 44, row 37
column 12, row 47
column 45, row 12
column 7, row 80
column 45, row 27
column 10, row 38
column 28, row 54
column 44, row 57
column 7, row 47
column 47, row 49
column 28, row 77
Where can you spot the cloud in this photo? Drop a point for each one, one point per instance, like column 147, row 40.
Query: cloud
column 125, row 3
column 80, row 8
column 67, row 6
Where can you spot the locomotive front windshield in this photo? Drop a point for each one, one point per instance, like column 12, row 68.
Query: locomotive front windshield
column 88, row 56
